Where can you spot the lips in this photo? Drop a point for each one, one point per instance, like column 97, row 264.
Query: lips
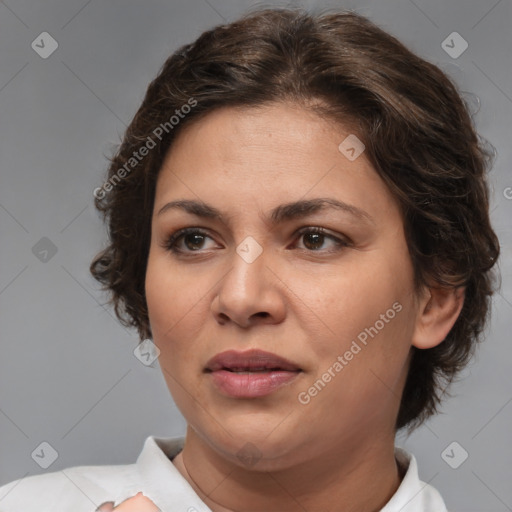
column 250, row 374
column 249, row 361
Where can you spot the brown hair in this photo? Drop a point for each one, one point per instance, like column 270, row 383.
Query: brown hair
column 418, row 135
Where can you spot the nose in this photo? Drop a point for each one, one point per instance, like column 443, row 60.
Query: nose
column 250, row 293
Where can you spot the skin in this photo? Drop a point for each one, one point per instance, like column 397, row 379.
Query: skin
column 137, row 503
column 302, row 299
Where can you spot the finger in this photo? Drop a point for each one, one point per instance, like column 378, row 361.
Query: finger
column 137, row 503
column 108, row 506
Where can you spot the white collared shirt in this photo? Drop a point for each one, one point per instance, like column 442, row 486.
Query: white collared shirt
column 84, row 488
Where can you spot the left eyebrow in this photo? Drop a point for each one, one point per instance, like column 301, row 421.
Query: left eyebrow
column 278, row 215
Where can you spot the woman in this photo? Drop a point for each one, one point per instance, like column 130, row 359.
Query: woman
column 298, row 220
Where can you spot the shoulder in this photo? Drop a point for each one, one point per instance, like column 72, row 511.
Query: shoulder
column 80, row 488
column 84, row 488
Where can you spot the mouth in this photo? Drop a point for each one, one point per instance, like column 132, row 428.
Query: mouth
column 250, row 374
column 251, row 361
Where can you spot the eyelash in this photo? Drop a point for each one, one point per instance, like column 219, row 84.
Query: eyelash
column 171, row 241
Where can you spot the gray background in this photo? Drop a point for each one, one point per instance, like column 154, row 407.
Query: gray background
column 68, row 375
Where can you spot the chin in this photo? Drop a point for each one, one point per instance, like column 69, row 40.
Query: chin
column 253, row 448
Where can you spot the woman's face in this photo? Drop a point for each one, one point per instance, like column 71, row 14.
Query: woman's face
column 339, row 305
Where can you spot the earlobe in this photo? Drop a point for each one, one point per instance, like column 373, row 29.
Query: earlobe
column 437, row 314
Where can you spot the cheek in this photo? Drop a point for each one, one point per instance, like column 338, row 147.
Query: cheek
column 159, row 296
column 177, row 301
column 169, row 306
column 365, row 386
column 354, row 296
column 173, row 305
column 368, row 318
column 172, row 295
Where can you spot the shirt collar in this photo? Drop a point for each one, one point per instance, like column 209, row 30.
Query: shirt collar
column 413, row 495
column 162, row 481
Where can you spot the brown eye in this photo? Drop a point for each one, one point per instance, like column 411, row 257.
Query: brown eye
column 314, row 239
column 192, row 238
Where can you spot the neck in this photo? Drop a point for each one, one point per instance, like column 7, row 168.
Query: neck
column 362, row 478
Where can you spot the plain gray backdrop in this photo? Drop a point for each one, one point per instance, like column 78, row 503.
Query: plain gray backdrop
column 68, row 374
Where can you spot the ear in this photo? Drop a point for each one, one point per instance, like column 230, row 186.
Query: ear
column 438, row 311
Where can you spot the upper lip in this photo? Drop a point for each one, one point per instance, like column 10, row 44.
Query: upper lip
column 249, row 360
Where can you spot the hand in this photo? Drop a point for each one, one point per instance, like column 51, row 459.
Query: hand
column 137, row 503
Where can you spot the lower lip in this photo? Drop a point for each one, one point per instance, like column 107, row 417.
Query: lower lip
column 251, row 385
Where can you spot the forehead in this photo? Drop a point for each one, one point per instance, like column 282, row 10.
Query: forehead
column 267, row 156
column 229, row 132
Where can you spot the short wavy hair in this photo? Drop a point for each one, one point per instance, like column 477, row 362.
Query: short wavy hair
column 417, row 129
